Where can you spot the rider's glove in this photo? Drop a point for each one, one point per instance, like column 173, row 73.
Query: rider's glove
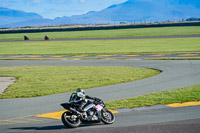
column 97, row 99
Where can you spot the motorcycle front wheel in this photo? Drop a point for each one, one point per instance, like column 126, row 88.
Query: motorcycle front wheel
column 71, row 121
column 107, row 116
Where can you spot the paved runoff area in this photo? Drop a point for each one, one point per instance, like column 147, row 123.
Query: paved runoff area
column 5, row 82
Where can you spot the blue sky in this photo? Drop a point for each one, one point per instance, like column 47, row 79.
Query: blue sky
column 58, row 8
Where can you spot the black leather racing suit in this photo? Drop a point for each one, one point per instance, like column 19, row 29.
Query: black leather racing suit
column 80, row 101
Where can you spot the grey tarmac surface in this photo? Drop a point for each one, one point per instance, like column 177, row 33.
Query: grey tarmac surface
column 175, row 74
column 189, row 126
column 168, row 120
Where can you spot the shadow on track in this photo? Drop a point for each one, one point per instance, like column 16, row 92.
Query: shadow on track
column 53, row 127
column 57, row 127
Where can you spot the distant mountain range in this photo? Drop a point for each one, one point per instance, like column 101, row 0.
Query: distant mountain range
column 131, row 11
column 8, row 16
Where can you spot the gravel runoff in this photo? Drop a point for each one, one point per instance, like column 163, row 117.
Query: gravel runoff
column 5, row 82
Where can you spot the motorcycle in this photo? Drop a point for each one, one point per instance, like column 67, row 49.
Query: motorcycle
column 94, row 112
column 46, row 37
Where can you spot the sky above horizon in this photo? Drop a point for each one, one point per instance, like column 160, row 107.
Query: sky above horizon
column 58, row 8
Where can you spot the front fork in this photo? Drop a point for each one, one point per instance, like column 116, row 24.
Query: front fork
column 105, row 114
column 99, row 113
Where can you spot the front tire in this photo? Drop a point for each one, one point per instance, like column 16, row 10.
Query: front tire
column 69, row 122
column 107, row 117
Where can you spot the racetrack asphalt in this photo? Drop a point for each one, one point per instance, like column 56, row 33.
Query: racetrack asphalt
column 175, row 74
column 17, row 115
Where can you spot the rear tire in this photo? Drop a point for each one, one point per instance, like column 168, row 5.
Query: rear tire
column 107, row 117
column 68, row 122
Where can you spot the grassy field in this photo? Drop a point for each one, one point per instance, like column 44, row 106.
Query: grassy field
column 43, row 80
column 180, row 95
column 35, row 81
column 135, row 32
column 97, row 47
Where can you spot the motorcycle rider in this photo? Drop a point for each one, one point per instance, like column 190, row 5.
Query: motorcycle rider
column 79, row 97
column 93, row 111
column 46, row 37
column 26, row 37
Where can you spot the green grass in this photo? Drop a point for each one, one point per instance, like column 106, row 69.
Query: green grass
column 180, row 95
column 97, row 47
column 35, row 81
column 134, row 32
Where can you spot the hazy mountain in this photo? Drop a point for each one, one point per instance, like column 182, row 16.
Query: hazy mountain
column 11, row 16
column 145, row 10
column 130, row 11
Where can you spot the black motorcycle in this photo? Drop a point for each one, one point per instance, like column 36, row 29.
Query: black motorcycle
column 94, row 112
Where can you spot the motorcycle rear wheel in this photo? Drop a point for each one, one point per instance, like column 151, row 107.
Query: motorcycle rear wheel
column 68, row 122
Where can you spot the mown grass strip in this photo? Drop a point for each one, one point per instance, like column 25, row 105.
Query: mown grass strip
column 35, row 81
column 180, row 95
column 101, row 47
column 134, row 32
